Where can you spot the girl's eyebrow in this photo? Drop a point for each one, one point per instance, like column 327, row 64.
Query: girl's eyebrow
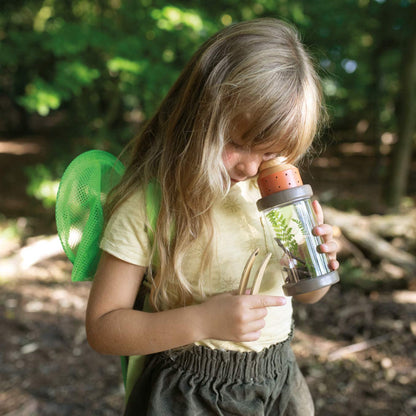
column 240, row 144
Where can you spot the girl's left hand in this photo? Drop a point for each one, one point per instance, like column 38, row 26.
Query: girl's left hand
column 329, row 246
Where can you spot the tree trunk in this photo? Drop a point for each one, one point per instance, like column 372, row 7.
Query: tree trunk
column 402, row 152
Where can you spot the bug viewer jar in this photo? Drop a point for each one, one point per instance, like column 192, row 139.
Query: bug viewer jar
column 286, row 209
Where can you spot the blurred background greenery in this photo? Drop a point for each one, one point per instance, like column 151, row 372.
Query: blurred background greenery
column 87, row 73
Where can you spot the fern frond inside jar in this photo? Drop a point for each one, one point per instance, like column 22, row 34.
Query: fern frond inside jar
column 287, row 209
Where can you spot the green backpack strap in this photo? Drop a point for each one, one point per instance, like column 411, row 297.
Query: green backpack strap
column 132, row 367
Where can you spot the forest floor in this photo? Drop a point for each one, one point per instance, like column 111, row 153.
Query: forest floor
column 356, row 347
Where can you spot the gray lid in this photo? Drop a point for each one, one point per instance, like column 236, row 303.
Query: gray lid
column 309, row 285
column 285, row 197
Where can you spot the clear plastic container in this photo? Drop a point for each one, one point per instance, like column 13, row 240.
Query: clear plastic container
column 287, row 209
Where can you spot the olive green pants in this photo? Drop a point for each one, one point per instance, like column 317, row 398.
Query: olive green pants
column 200, row 381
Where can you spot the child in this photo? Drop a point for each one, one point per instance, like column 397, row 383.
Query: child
column 249, row 94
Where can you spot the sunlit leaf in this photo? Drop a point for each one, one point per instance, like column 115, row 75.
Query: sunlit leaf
column 118, row 64
column 41, row 97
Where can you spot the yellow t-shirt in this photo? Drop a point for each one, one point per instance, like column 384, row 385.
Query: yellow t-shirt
column 238, row 232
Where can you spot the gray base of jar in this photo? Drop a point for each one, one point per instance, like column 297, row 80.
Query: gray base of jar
column 309, row 285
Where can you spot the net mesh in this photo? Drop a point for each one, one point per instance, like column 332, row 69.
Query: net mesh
column 82, row 192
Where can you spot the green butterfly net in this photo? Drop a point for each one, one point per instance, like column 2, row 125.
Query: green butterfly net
column 82, row 192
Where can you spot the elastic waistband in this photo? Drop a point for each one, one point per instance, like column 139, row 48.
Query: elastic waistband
column 231, row 365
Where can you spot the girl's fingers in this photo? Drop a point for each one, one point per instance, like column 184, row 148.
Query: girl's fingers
column 333, row 264
column 325, row 231
column 255, row 326
column 329, row 247
column 258, row 314
column 318, row 212
column 264, row 301
column 253, row 336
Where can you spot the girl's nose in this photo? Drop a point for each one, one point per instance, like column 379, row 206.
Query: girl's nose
column 249, row 165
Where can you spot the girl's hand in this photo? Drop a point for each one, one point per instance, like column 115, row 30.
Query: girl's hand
column 238, row 318
column 329, row 246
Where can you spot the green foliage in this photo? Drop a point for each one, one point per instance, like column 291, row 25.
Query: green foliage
column 300, row 225
column 283, row 231
column 40, row 97
column 42, row 186
column 9, row 230
column 106, row 65
column 353, row 276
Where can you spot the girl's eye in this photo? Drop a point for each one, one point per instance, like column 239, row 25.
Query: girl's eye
column 238, row 146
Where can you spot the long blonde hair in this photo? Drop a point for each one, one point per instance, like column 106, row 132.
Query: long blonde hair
column 256, row 68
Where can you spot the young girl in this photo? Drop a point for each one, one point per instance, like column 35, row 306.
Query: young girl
column 248, row 95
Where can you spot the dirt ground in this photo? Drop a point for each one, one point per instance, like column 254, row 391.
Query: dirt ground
column 356, row 347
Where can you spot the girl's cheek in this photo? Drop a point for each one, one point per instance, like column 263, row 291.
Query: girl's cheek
column 227, row 158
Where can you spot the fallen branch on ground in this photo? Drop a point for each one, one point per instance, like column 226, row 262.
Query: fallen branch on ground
column 359, row 346
column 368, row 232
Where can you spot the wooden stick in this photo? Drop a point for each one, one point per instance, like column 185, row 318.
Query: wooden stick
column 246, row 272
column 259, row 276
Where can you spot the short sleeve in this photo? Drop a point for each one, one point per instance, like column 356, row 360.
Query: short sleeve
column 125, row 235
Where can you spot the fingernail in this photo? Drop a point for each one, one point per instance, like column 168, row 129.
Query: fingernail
column 318, row 231
column 323, row 248
column 335, row 265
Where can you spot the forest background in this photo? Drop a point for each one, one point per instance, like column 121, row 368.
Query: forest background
column 83, row 74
